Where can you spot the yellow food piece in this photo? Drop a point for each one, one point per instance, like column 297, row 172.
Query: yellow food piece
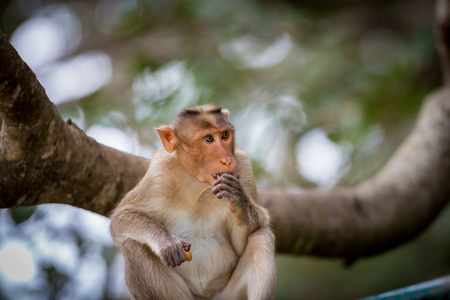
column 188, row 255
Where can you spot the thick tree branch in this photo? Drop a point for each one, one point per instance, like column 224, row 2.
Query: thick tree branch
column 43, row 159
column 395, row 205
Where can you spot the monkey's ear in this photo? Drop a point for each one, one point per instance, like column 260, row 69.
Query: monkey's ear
column 167, row 136
column 226, row 112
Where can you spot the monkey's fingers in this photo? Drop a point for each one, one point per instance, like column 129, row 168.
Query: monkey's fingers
column 188, row 255
column 186, row 245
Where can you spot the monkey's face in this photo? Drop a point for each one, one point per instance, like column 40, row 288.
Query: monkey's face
column 209, row 154
column 204, row 140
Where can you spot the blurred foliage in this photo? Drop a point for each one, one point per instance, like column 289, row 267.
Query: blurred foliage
column 22, row 214
column 355, row 72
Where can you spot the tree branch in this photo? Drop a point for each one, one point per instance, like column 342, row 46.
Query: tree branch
column 395, row 205
column 43, row 159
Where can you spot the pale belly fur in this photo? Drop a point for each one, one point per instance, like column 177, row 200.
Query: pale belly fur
column 213, row 256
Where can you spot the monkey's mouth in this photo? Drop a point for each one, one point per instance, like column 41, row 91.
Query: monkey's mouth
column 217, row 175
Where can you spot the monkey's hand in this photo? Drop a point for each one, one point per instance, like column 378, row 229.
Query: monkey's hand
column 171, row 252
column 229, row 186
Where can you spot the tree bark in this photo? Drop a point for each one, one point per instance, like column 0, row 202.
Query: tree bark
column 44, row 159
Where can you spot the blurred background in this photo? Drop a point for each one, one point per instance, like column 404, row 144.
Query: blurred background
column 321, row 94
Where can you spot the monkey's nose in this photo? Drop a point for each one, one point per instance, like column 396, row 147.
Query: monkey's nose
column 227, row 160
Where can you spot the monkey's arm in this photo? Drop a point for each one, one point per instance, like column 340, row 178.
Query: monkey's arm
column 136, row 225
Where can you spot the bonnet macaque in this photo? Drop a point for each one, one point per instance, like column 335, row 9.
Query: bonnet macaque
column 198, row 198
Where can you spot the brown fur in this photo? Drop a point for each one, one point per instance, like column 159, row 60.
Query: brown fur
column 179, row 200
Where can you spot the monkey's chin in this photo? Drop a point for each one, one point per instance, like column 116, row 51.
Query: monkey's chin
column 205, row 179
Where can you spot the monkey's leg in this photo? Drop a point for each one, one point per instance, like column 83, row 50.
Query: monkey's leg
column 255, row 275
column 147, row 278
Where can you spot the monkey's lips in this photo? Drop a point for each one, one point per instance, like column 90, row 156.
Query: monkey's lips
column 217, row 175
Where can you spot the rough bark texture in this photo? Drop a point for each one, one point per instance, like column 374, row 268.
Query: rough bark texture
column 44, row 159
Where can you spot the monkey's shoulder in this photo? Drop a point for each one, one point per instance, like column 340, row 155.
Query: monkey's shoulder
column 156, row 185
column 240, row 154
column 242, row 158
column 163, row 167
column 163, row 158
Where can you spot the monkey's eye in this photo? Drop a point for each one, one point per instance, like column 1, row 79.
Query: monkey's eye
column 208, row 138
column 225, row 135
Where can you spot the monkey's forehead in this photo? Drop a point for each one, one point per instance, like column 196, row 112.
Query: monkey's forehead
column 204, row 121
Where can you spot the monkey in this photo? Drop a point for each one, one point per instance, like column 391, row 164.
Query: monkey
column 198, row 196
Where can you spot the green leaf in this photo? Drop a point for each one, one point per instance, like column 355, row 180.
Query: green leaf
column 22, row 214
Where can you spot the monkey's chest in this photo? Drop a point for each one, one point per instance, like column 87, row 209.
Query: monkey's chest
column 213, row 256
